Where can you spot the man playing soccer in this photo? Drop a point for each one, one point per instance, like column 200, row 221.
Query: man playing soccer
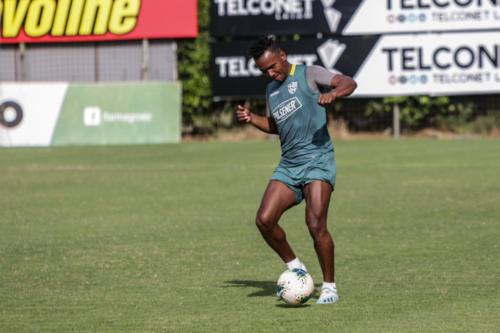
column 296, row 97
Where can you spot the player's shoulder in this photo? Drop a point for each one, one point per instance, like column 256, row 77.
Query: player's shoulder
column 317, row 69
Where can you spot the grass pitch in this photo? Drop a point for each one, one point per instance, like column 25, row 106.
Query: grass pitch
column 162, row 239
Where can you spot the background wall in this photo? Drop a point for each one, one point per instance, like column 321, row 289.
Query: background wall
column 89, row 62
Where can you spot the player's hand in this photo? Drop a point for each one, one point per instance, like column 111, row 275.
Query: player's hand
column 327, row 98
column 243, row 114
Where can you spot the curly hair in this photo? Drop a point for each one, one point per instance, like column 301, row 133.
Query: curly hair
column 262, row 45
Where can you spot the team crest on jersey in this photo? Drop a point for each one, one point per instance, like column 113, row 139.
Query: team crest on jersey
column 292, row 87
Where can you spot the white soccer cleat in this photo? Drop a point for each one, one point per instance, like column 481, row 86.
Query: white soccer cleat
column 328, row 296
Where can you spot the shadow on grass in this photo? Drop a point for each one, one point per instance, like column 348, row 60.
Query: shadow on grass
column 289, row 306
column 266, row 288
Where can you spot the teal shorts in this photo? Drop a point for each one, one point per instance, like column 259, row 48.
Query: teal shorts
column 296, row 177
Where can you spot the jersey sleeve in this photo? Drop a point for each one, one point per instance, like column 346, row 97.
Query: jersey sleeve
column 319, row 77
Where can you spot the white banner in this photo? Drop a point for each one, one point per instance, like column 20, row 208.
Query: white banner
column 431, row 64
column 58, row 114
column 389, row 16
column 29, row 112
column 350, row 17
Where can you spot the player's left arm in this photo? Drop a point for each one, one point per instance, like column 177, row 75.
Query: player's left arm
column 342, row 86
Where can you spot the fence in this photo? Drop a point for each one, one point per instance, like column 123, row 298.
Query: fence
column 89, row 62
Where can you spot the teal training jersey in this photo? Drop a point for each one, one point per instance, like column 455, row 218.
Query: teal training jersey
column 300, row 120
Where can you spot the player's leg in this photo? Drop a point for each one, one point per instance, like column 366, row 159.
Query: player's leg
column 276, row 200
column 317, row 195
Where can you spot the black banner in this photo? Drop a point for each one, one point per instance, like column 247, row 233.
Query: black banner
column 280, row 17
column 235, row 74
column 387, row 65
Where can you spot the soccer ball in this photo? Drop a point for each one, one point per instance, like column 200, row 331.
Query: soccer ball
column 295, row 286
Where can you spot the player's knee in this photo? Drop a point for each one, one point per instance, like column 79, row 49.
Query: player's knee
column 264, row 222
column 316, row 226
column 315, row 230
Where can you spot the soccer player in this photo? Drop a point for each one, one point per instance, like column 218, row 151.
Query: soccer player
column 296, row 98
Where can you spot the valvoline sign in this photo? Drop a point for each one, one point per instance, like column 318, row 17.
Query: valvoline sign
column 40, row 21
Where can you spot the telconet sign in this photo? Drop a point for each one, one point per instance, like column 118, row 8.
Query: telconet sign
column 351, row 17
column 388, row 65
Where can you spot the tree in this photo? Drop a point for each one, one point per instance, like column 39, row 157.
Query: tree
column 194, row 68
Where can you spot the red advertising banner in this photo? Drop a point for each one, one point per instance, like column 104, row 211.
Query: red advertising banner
column 49, row 21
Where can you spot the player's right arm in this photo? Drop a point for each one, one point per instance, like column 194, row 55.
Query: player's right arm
column 265, row 124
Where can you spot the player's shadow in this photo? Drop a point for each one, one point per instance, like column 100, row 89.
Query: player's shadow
column 265, row 288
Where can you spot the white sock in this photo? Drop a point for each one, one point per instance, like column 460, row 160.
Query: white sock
column 295, row 263
column 329, row 285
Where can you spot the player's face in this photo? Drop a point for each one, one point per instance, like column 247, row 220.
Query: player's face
column 274, row 65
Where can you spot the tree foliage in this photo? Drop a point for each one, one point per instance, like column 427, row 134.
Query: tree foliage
column 194, row 67
column 419, row 111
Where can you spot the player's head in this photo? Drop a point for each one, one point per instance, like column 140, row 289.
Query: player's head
column 270, row 58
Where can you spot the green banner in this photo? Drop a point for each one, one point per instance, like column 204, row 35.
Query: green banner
column 120, row 113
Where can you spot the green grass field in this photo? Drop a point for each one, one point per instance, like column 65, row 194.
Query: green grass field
column 162, row 239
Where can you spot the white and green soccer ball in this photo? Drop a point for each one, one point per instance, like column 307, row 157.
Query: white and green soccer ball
column 295, row 286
